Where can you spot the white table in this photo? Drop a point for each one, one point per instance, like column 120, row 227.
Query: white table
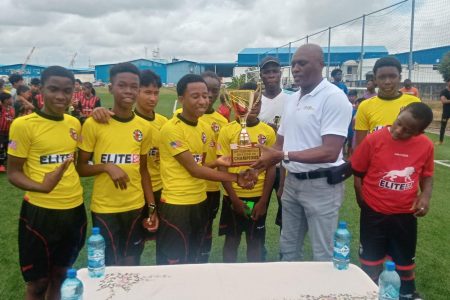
column 275, row 281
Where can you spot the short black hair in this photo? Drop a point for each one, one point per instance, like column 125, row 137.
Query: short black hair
column 87, row 84
column 421, row 112
column 125, row 67
column 335, row 71
column 4, row 96
column 148, row 78
column 249, row 86
column 79, row 81
column 14, row 78
column 210, row 74
column 387, row 61
column 22, row 89
column 56, row 71
column 185, row 80
column 35, row 81
column 352, row 92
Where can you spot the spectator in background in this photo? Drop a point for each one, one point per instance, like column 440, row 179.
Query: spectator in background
column 409, row 89
column 87, row 102
column 370, row 89
column 23, row 105
column 36, row 97
column 337, row 80
column 445, row 99
column 16, row 80
column 6, row 118
column 77, row 94
column 352, row 96
column 2, row 86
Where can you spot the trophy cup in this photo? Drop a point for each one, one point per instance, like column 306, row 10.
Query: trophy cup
column 244, row 153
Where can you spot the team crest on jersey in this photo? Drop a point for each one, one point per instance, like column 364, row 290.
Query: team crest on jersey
column 73, row 134
column 262, row 139
column 137, row 135
column 204, row 138
column 398, row 180
column 215, row 127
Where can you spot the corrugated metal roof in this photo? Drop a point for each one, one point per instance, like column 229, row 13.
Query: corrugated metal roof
column 334, row 49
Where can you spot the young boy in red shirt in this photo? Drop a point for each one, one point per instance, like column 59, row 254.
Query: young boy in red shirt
column 393, row 170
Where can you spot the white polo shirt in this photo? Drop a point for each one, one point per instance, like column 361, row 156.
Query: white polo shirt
column 271, row 108
column 324, row 111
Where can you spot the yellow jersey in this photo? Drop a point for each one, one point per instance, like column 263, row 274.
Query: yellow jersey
column 259, row 133
column 120, row 142
column 214, row 122
column 46, row 142
column 376, row 113
column 177, row 136
column 153, row 155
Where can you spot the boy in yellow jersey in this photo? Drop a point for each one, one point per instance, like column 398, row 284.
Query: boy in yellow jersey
column 122, row 182
column 214, row 122
column 145, row 108
column 183, row 209
column 52, row 223
column 382, row 110
column 245, row 210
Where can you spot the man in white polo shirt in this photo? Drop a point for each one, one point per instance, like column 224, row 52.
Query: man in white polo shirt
column 272, row 105
column 309, row 141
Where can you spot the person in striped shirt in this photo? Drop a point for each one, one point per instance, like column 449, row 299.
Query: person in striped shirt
column 87, row 102
column 6, row 118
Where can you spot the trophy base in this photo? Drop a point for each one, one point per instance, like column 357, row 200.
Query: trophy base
column 244, row 155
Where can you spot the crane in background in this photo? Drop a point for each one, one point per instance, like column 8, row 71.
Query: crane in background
column 72, row 61
column 27, row 59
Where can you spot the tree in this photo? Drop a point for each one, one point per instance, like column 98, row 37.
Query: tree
column 444, row 67
column 237, row 81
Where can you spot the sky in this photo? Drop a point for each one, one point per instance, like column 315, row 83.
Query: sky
column 110, row 31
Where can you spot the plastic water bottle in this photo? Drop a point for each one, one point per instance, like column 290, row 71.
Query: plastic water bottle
column 389, row 283
column 341, row 249
column 72, row 287
column 96, row 254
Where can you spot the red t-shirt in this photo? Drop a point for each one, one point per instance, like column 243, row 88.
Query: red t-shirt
column 224, row 111
column 392, row 170
column 6, row 118
column 87, row 105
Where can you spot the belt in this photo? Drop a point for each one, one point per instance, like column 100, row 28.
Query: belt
column 311, row 174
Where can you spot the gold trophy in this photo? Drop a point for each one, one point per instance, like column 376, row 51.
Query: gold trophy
column 244, row 153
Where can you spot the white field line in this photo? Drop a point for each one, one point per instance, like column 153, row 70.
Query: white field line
column 443, row 162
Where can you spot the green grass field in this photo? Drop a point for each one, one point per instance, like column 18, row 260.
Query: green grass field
column 433, row 255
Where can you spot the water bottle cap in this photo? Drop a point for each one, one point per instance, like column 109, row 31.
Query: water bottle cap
column 390, row 265
column 71, row 273
column 342, row 225
column 95, row 230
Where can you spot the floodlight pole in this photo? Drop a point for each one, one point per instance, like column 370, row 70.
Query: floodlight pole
column 361, row 59
column 410, row 62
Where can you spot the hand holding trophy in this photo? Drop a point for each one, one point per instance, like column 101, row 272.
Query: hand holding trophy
column 244, row 152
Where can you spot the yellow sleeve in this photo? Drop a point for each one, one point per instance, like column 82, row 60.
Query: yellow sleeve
column 19, row 139
column 271, row 137
column 361, row 122
column 173, row 139
column 88, row 138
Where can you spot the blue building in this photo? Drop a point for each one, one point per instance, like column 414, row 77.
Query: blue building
column 251, row 57
column 32, row 71
column 102, row 71
column 177, row 69
column 431, row 56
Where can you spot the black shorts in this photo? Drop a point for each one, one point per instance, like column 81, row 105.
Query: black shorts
column 387, row 236
column 123, row 233
column 213, row 203
column 181, row 232
column 49, row 237
column 234, row 224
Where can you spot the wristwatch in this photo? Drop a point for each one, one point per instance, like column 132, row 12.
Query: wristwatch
column 151, row 209
column 286, row 156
